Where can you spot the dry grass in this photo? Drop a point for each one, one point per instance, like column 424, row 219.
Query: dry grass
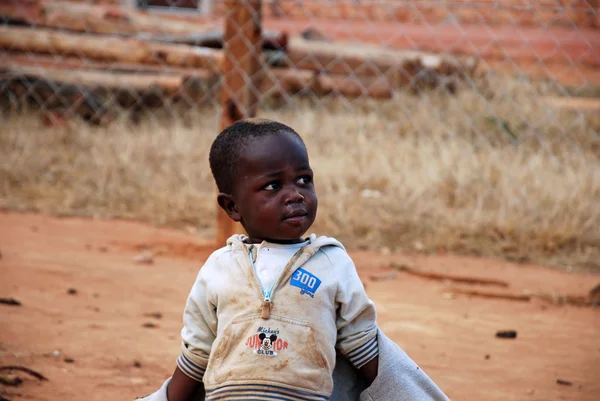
column 503, row 176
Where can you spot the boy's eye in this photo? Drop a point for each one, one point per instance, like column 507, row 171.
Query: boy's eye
column 304, row 180
column 272, row 186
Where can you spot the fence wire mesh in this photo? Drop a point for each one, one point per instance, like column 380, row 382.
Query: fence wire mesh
column 432, row 126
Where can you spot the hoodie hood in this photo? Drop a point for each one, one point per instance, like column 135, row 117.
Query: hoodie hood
column 238, row 242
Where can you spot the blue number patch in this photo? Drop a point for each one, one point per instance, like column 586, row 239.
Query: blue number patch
column 307, row 282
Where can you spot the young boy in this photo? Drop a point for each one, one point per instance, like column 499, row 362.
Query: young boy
column 267, row 312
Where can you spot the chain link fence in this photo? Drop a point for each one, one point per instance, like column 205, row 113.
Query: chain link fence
column 433, row 126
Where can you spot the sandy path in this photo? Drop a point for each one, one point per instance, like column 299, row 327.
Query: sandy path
column 101, row 326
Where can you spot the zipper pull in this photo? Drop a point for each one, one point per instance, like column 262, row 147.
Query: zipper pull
column 266, row 309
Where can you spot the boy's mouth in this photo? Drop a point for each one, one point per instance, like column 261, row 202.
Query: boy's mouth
column 296, row 216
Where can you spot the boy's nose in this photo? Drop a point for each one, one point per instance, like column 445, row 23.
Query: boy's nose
column 293, row 196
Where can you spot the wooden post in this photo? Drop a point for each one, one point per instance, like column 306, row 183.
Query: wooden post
column 241, row 62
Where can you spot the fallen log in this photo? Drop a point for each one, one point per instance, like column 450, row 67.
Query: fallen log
column 275, row 81
column 124, row 21
column 53, row 95
column 107, row 48
column 292, row 81
column 284, row 81
column 15, row 60
column 271, row 40
column 507, row 12
column 95, row 1
column 97, row 95
column 66, row 85
column 99, row 79
column 399, row 67
column 355, row 87
column 100, row 19
column 127, row 22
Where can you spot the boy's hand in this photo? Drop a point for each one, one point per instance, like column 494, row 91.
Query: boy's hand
column 368, row 370
column 184, row 388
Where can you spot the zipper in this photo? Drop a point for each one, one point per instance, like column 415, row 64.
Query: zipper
column 267, row 294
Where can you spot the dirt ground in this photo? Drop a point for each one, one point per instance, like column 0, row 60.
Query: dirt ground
column 100, row 326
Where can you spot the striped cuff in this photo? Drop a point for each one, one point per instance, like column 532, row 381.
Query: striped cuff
column 191, row 370
column 261, row 392
column 364, row 354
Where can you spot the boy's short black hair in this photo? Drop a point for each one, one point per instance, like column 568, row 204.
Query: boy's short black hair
column 229, row 145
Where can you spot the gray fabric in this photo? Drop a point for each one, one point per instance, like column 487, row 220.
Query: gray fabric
column 399, row 379
column 158, row 395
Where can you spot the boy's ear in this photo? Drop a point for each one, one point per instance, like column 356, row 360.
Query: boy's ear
column 227, row 203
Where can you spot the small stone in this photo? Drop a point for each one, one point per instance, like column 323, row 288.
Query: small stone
column 149, row 325
column 448, row 295
column 56, row 353
column 385, row 251
column 563, row 382
column 72, row 291
column 154, row 315
column 10, row 301
column 418, row 245
column 137, row 364
column 69, row 360
column 506, row 334
column 146, row 257
column 487, row 356
column 103, row 249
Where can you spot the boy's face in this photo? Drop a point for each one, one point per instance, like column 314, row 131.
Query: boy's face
column 274, row 196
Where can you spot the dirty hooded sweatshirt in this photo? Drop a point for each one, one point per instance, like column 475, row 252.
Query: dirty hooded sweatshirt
column 248, row 342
